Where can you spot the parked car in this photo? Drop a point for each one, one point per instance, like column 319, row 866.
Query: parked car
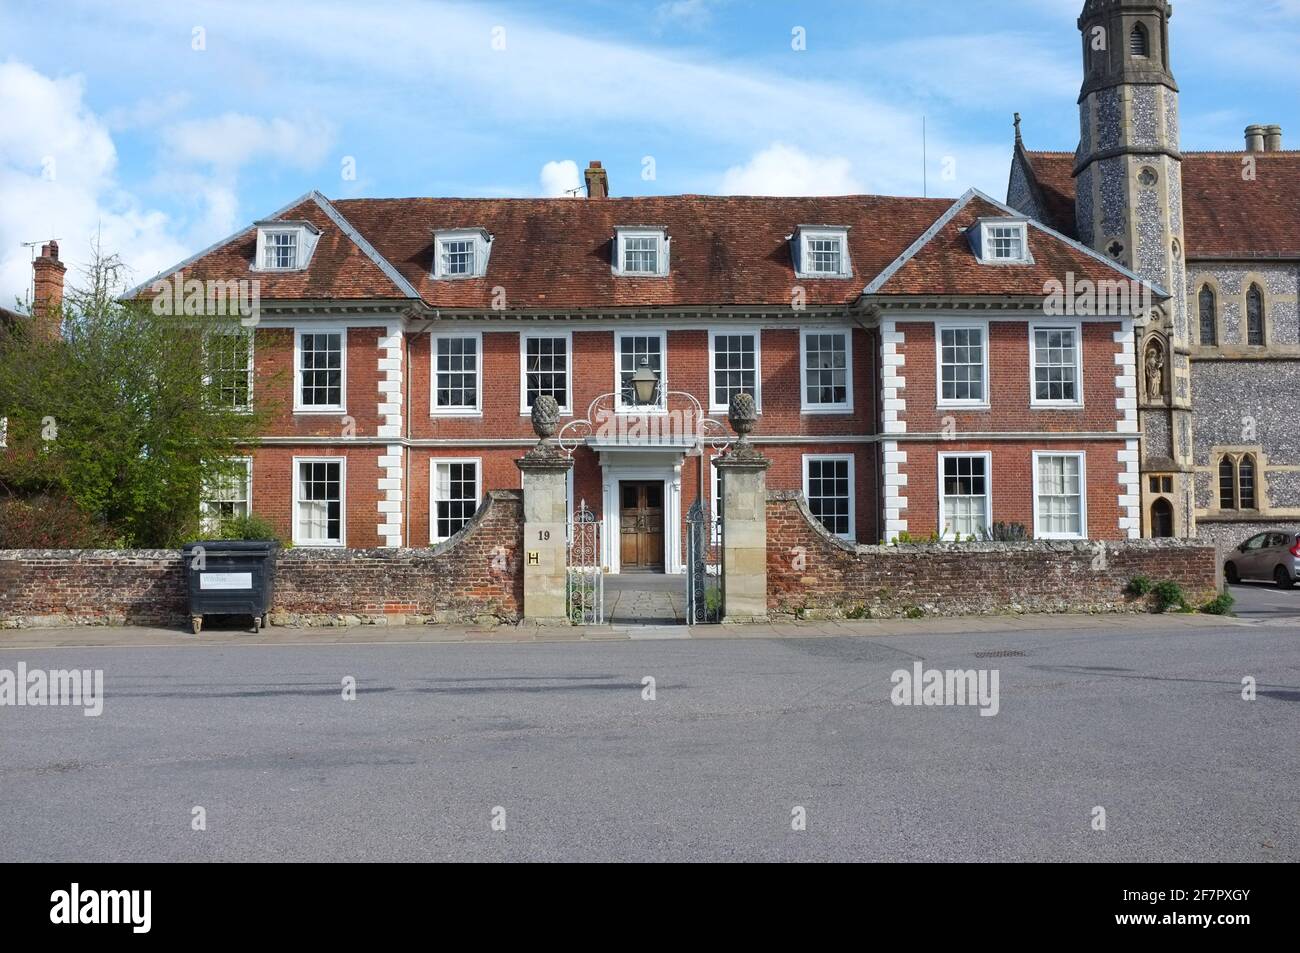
column 1274, row 555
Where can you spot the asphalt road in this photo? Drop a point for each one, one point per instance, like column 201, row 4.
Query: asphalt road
column 1150, row 726
column 1265, row 602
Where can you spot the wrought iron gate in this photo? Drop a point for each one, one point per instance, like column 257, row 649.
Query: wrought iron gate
column 585, row 577
column 705, row 585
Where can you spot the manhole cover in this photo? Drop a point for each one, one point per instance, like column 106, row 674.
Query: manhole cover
column 1001, row 653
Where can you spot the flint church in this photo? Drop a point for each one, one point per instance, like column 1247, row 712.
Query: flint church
column 1219, row 398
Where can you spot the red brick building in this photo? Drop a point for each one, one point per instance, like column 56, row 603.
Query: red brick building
column 912, row 372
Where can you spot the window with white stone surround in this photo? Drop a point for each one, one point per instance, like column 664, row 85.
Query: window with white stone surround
column 963, row 365
column 455, row 489
column 965, row 506
column 826, row 371
column 318, row 501
column 1060, row 497
column 828, row 487
column 228, row 496
column 1055, row 360
column 457, row 373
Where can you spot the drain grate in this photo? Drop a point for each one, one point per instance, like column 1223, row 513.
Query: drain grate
column 1001, row 653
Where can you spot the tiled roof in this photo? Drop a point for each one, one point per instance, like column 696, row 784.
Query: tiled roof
column 555, row 253
column 339, row 267
column 945, row 264
column 1225, row 213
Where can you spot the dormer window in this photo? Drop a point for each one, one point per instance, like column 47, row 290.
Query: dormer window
column 461, row 253
column 821, row 251
column 640, row 251
column 1001, row 241
column 281, row 250
column 285, row 246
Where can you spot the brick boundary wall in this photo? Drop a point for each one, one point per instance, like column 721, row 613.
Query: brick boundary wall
column 475, row 576
column 813, row 574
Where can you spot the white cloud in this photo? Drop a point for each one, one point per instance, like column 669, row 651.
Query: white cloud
column 233, row 140
column 692, row 14
column 58, row 179
column 781, row 169
column 560, row 179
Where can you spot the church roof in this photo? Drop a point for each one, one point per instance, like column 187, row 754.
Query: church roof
column 1227, row 214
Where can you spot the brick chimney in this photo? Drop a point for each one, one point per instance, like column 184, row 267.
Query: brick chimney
column 1272, row 138
column 1254, row 138
column 47, row 298
column 597, row 181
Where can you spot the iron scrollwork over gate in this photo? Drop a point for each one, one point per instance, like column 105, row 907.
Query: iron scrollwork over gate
column 585, row 577
column 705, row 585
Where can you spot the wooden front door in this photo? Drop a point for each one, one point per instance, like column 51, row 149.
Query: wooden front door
column 641, row 526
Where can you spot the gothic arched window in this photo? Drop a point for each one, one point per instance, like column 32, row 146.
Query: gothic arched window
column 1137, row 41
column 1227, row 484
column 1246, row 482
column 1237, row 482
column 1255, row 316
column 1209, row 336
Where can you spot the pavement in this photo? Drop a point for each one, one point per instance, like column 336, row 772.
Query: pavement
column 645, row 599
column 237, row 633
column 669, row 749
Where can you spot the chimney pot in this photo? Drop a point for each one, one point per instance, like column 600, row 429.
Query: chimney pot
column 1254, row 138
column 597, row 181
column 1272, row 138
column 47, row 295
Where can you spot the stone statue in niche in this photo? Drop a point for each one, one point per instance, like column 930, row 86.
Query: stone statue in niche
column 1155, row 370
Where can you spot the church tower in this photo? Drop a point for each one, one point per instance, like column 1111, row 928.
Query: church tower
column 1129, row 207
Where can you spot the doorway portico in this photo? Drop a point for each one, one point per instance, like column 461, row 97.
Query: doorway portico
column 625, row 466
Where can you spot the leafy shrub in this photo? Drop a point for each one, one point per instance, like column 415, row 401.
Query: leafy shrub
column 250, row 527
column 49, row 522
column 1169, row 595
column 913, row 612
column 1139, row 586
column 1001, row 532
column 1219, row 605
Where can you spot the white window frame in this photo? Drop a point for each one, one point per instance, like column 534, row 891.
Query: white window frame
column 939, row 328
column 757, row 335
column 205, row 514
column 207, row 376
column 298, row 406
column 987, row 457
column 482, row 244
column 842, row 408
column 566, row 408
column 457, row 411
column 1020, row 226
column 305, row 236
column 808, row 233
column 1077, row 329
column 343, row 502
column 663, row 248
column 852, row 535
column 1082, row 456
column 662, row 405
column 434, row 462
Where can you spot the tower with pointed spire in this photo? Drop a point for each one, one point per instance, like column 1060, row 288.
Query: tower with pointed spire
column 1129, row 206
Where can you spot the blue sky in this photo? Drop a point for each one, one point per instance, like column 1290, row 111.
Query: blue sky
column 165, row 126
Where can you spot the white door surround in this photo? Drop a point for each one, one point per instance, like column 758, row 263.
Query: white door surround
column 642, row 465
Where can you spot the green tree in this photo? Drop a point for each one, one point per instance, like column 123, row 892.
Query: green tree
column 127, row 415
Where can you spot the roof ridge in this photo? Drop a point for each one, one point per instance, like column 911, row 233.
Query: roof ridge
column 367, row 249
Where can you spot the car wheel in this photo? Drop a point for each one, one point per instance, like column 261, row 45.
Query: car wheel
column 1283, row 578
column 1230, row 572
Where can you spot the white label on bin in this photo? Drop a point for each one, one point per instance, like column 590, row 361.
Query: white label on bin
column 226, row 580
